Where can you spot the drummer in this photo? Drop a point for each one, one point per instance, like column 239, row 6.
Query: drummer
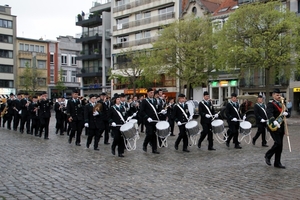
column 207, row 113
column 181, row 116
column 233, row 118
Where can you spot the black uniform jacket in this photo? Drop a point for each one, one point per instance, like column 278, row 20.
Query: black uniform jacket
column 203, row 111
column 75, row 109
column 95, row 122
column 178, row 115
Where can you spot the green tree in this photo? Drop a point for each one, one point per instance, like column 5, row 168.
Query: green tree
column 183, row 50
column 260, row 36
column 130, row 72
column 60, row 86
column 28, row 79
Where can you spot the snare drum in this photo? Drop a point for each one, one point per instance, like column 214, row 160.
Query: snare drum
column 192, row 128
column 128, row 130
column 245, row 128
column 162, row 129
column 135, row 122
column 217, row 126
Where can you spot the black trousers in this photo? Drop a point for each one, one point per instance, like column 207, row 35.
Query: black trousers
column 261, row 130
column 25, row 119
column 182, row 136
column 233, row 132
column 35, row 125
column 277, row 146
column 207, row 131
column 93, row 133
column 44, row 124
column 141, row 123
column 76, row 127
column 151, row 136
column 118, row 140
column 172, row 124
column 7, row 118
column 59, row 125
column 17, row 118
column 106, row 131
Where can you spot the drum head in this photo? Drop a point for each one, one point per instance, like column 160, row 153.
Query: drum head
column 191, row 124
column 245, row 125
column 217, row 122
column 126, row 127
column 133, row 121
column 162, row 125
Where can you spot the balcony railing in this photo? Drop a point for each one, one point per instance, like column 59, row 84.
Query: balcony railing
column 135, row 42
column 259, row 81
column 89, row 54
column 136, row 4
column 89, row 36
column 88, row 20
column 100, row 2
column 144, row 21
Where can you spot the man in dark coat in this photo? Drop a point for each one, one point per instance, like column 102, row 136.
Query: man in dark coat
column 59, row 108
column 34, row 116
column 44, row 114
column 17, row 111
column 25, row 115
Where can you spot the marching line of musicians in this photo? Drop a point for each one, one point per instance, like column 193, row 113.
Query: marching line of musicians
column 101, row 116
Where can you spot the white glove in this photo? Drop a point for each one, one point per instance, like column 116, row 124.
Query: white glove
column 149, row 119
column 95, row 113
column 191, row 117
column 129, row 118
column 134, row 115
column 207, row 116
column 86, row 125
column 244, row 118
column 216, row 115
column 179, row 123
column 234, row 120
column 285, row 113
column 276, row 124
column 262, row 121
column 113, row 124
column 163, row 112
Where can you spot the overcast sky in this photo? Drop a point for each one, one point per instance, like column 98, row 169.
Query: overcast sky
column 47, row 18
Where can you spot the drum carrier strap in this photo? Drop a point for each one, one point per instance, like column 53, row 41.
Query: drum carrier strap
column 120, row 115
column 263, row 110
column 153, row 108
column 236, row 110
column 183, row 112
column 206, row 108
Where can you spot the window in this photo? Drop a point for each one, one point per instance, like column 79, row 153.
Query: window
column 6, row 53
column 51, row 58
column 147, row 34
column 37, row 48
column 26, row 47
column 51, row 75
column 41, row 81
column 6, row 68
column 73, row 60
column 138, row 36
column 21, row 47
column 138, row 16
column 42, row 49
column 63, row 59
column 24, row 62
column 5, row 23
column 73, row 77
column 166, row 10
column 123, row 23
column 194, row 10
column 64, row 76
column 122, row 39
column 6, row 83
column 31, row 48
column 6, row 38
column 121, row 2
column 147, row 14
column 41, row 64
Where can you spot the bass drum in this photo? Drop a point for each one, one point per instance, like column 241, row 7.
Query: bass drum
column 193, row 108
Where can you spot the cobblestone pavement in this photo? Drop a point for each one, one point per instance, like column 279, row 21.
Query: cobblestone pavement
column 34, row 168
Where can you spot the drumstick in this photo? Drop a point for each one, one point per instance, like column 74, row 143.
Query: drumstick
column 213, row 117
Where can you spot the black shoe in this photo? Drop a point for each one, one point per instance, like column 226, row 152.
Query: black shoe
column 87, row 146
column 96, row 149
column 199, row 145
column 155, row 151
column 268, row 161
column 145, row 148
column 15, row 129
column 61, row 134
column 279, row 166
column 185, row 150
column 113, row 152
column 227, row 143
column 176, row 147
column 70, row 140
column 172, row 134
column 264, row 145
column 237, row 147
column 253, row 141
column 120, row 155
column 21, row 131
column 211, row 149
column 46, row 138
column 78, row 144
column 106, row 143
column 56, row 131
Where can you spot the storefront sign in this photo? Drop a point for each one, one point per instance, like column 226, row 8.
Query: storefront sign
column 296, row 89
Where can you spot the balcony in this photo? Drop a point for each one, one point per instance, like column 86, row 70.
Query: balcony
column 101, row 5
column 259, row 82
column 88, row 36
column 138, row 3
column 90, row 55
column 144, row 21
column 142, row 41
column 88, row 20
column 94, row 86
column 90, row 71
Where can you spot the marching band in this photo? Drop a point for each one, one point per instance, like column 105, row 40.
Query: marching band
column 103, row 115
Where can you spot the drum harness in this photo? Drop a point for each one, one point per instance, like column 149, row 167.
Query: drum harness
column 163, row 140
column 193, row 138
column 128, row 146
column 266, row 122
